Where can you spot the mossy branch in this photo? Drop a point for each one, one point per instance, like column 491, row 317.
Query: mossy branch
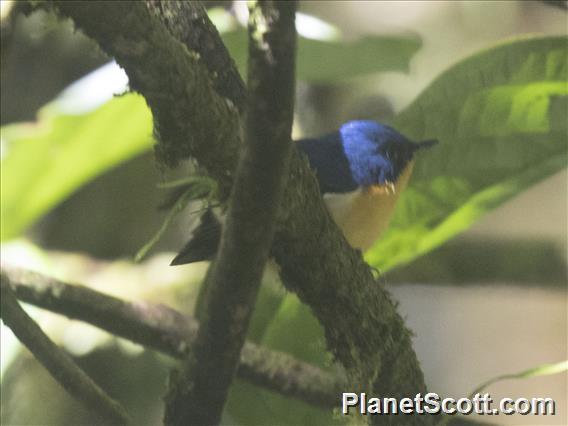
column 192, row 119
column 198, row 395
column 161, row 328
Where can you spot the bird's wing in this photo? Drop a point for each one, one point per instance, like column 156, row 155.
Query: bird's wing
column 327, row 157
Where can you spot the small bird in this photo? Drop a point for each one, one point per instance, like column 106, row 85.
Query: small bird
column 361, row 170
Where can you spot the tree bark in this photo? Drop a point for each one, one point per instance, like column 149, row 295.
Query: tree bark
column 197, row 395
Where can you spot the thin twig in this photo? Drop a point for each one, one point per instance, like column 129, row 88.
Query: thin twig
column 166, row 330
column 198, row 395
column 58, row 363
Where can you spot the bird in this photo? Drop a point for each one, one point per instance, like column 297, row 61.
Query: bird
column 361, row 169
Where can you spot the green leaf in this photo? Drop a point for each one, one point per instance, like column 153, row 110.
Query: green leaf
column 541, row 370
column 200, row 188
column 523, row 261
column 500, row 117
column 328, row 61
column 180, row 204
column 44, row 162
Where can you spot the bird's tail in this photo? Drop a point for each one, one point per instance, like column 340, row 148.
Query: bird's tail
column 425, row 144
column 203, row 242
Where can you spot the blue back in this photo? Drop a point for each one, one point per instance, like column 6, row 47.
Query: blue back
column 327, row 157
column 361, row 153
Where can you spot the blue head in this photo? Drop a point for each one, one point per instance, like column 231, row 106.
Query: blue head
column 377, row 154
column 362, row 153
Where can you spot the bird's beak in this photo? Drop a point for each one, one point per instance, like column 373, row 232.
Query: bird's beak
column 425, row 144
column 387, row 188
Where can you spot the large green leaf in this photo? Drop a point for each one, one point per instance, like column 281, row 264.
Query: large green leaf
column 44, row 162
column 332, row 60
column 500, row 117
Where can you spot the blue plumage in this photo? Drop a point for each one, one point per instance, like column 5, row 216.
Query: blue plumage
column 327, row 157
column 361, row 153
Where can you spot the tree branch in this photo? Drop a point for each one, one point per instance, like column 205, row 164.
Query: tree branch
column 191, row 119
column 198, row 395
column 188, row 22
column 166, row 330
column 58, row 363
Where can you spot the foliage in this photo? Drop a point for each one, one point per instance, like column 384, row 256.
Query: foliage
column 194, row 188
column 333, row 60
column 44, row 162
column 540, row 370
column 499, row 116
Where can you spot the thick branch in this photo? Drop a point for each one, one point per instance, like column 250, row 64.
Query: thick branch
column 369, row 338
column 58, row 363
column 166, row 330
column 189, row 23
column 199, row 394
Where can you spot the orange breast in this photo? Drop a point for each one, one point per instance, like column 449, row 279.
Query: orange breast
column 368, row 212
